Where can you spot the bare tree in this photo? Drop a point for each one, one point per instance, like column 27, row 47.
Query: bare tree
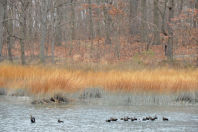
column 163, row 17
column 2, row 9
column 73, row 34
column 132, row 16
column 156, row 23
column 170, row 30
column 98, row 18
column 91, row 31
column 107, row 20
column 143, row 20
column 181, row 6
column 9, row 29
column 195, row 22
column 59, row 18
column 44, row 13
column 22, row 14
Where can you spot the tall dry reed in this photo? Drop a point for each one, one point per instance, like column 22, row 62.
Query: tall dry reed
column 42, row 80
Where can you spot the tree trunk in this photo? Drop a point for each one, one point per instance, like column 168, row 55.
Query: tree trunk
column 73, row 34
column 2, row 9
column 73, row 20
column 170, row 31
column 23, row 26
column 181, row 6
column 52, row 50
column 98, row 19
column 156, row 23
column 107, row 20
column 23, row 34
column 91, row 32
column 163, row 15
column 44, row 8
column 143, row 20
column 42, row 45
column 195, row 22
column 9, row 29
column 58, row 34
column 53, row 26
column 132, row 15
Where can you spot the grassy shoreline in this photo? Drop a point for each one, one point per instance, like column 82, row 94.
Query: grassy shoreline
column 51, row 80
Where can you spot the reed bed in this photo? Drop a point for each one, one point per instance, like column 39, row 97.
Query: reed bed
column 50, row 80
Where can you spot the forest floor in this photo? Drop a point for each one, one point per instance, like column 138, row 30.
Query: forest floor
column 124, row 51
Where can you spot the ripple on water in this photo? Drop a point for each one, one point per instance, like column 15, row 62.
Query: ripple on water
column 15, row 117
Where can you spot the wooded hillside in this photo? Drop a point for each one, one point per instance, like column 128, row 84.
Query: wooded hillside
column 98, row 31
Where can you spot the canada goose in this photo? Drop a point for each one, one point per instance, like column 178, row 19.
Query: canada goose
column 59, row 121
column 133, row 119
column 126, row 118
column 155, row 117
column 144, row 119
column 113, row 119
column 152, row 119
column 147, row 118
column 108, row 120
column 165, row 119
column 32, row 119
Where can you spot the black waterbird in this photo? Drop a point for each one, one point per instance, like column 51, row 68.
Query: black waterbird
column 32, row 119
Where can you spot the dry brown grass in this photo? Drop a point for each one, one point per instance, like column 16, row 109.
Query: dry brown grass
column 42, row 80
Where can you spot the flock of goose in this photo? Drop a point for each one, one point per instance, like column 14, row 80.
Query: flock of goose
column 33, row 120
column 135, row 119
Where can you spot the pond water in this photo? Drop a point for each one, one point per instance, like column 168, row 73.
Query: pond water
column 15, row 117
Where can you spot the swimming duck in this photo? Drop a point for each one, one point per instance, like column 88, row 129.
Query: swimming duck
column 152, row 119
column 155, row 117
column 59, row 121
column 32, row 119
column 108, row 120
column 147, row 118
column 126, row 118
column 133, row 119
column 165, row 119
column 144, row 119
column 113, row 119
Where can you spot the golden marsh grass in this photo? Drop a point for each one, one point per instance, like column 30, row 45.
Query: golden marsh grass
column 49, row 80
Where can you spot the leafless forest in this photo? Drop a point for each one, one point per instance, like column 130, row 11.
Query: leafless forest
column 99, row 31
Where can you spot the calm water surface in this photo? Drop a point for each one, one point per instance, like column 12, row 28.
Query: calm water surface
column 15, row 113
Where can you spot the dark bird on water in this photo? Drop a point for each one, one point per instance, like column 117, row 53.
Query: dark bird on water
column 165, row 119
column 147, row 118
column 113, row 119
column 152, row 119
column 144, row 119
column 108, row 120
column 126, row 118
column 133, row 119
column 59, row 121
column 32, row 119
column 155, row 117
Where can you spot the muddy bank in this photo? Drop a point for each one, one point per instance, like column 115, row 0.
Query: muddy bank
column 14, row 92
column 99, row 96
column 3, row 91
column 51, row 100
